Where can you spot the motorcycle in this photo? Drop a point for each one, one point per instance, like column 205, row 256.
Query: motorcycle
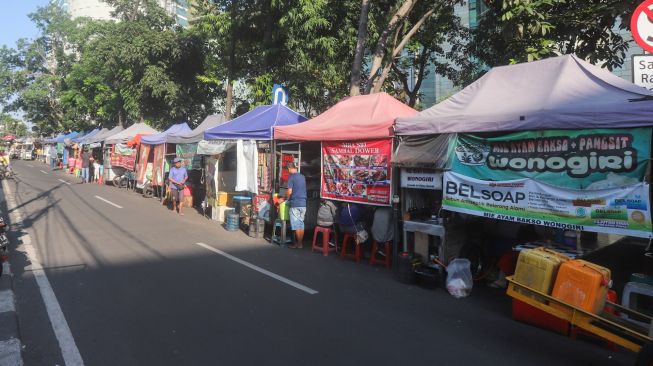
column 5, row 172
column 4, row 244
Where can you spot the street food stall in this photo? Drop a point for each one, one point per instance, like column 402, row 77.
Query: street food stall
column 355, row 139
column 555, row 154
column 254, row 156
column 119, row 158
column 155, row 154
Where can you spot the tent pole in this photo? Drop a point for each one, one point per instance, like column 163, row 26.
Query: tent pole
column 273, row 186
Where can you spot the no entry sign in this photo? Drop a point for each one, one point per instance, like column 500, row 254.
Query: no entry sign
column 641, row 25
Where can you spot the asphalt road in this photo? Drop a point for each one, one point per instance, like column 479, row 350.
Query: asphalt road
column 135, row 288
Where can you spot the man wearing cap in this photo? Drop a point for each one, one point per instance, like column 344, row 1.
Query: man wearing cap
column 178, row 177
column 297, row 199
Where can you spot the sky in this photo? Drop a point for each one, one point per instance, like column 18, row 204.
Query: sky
column 14, row 23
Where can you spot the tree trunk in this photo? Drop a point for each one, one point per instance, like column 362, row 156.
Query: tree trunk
column 381, row 45
column 121, row 123
column 230, row 99
column 354, row 84
column 379, row 82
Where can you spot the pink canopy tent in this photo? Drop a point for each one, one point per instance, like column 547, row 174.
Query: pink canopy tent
column 364, row 117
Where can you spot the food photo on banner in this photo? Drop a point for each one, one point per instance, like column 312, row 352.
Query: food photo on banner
column 123, row 156
column 357, row 171
column 188, row 155
column 591, row 180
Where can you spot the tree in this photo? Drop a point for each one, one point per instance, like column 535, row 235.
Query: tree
column 12, row 125
column 513, row 31
column 354, row 85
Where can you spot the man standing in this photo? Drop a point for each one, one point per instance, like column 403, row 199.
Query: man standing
column 86, row 162
column 53, row 157
column 178, row 177
column 297, row 199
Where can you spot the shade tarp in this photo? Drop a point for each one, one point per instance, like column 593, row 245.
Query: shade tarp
column 364, row 117
column 197, row 134
column 423, row 151
column 123, row 136
column 256, row 124
column 83, row 136
column 160, row 138
column 98, row 132
column 62, row 138
column 101, row 136
column 556, row 93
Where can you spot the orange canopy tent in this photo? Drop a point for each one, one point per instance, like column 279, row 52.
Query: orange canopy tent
column 364, row 117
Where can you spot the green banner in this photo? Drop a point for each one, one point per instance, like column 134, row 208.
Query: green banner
column 188, row 155
column 579, row 159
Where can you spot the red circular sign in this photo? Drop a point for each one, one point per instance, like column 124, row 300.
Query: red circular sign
column 641, row 25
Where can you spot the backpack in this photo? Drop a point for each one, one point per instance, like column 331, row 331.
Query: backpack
column 326, row 214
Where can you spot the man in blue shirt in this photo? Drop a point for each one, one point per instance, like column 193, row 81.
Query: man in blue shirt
column 178, row 177
column 297, row 199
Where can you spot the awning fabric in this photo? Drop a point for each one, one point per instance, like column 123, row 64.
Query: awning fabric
column 197, row 134
column 256, row 124
column 160, row 138
column 101, row 136
column 123, row 136
column 423, row 151
column 556, row 93
column 364, row 117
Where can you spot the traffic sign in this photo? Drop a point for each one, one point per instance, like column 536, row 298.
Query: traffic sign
column 641, row 25
column 279, row 94
column 643, row 71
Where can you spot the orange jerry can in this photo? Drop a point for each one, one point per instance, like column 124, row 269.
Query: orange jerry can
column 582, row 284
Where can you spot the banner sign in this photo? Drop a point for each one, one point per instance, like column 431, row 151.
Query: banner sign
column 187, row 153
column 158, row 178
column 214, row 147
column 357, row 171
column 122, row 149
column 120, row 159
column 624, row 210
column 141, row 166
column 582, row 159
column 421, row 179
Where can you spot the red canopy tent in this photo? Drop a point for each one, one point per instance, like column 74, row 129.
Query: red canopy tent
column 9, row 138
column 364, row 117
column 356, row 136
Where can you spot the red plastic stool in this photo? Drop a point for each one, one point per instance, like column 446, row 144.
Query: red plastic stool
column 324, row 246
column 387, row 250
column 344, row 253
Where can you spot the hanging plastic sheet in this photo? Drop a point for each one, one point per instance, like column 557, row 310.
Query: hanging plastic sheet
column 247, row 156
column 214, row 147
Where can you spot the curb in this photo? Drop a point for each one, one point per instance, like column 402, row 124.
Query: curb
column 10, row 345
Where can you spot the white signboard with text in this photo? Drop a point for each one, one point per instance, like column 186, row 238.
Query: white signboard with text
column 421, row 179
column 643, row 71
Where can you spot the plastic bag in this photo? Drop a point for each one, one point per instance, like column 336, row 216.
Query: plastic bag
column 459, row 278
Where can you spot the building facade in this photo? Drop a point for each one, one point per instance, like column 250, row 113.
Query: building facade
column 100, row 10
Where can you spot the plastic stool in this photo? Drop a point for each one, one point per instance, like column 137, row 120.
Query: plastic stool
column 632, row 290
column 324, row 246
column 344, row 253
column 387, row 251
column 277, row 238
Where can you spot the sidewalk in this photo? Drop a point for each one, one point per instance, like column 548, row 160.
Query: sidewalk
column 10, row 346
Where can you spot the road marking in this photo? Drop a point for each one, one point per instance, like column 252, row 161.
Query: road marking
column 30, row 165
column 44, row 172
column 63, row 181
column 107, row 201
column 69, row 350
column 277, row 277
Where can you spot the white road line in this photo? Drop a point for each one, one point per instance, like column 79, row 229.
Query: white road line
column 107, row 201
column 44, row 172
column 69, row 350
column 7, row 301
column 277, row 277
column 63, row 181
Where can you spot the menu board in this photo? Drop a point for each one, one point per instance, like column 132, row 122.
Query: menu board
column 357, row 171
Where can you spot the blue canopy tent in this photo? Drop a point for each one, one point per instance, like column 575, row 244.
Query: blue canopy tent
column 257, row 124
column 255, row 162
column 157, row 144
column 80, row 138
